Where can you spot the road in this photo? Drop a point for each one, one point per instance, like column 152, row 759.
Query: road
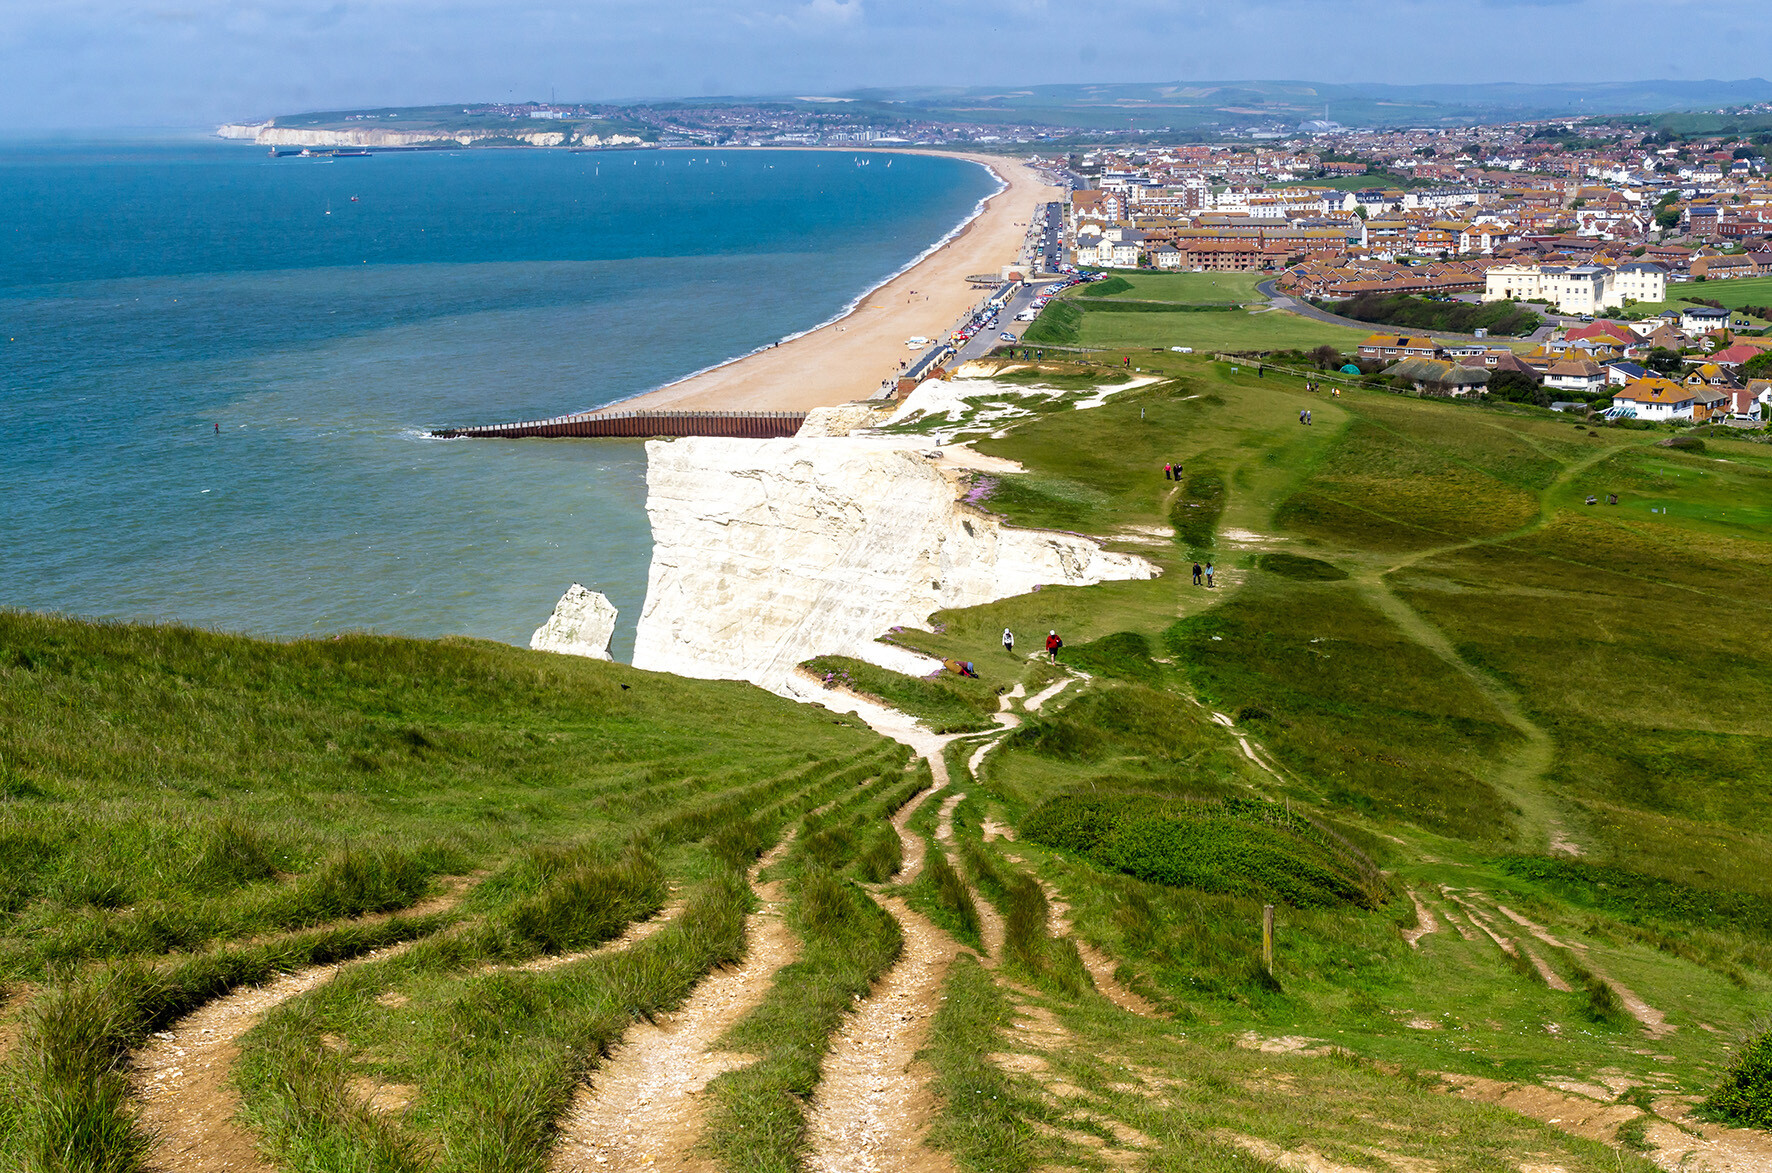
column 1305, row 309
column 986, row 340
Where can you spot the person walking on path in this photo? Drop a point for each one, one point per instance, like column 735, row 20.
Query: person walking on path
column 1196, row 574
column 1208, row 574
column 1053, row 643
column 1009, row 641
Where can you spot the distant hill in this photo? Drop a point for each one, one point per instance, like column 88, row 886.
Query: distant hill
column 1183, row 105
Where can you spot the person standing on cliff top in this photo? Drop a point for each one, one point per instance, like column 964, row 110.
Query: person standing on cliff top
column 1009, row 641
column 1053, row 643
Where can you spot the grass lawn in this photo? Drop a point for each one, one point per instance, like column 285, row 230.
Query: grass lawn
column 1207, row 332
column 1756, row 291
column 1181, row 288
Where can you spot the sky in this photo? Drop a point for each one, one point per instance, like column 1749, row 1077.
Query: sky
column 95, row 64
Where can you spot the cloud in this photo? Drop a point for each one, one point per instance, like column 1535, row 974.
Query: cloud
column 101, row 63
column 830, row 12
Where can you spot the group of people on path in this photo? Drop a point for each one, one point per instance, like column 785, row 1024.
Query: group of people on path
column 1304, row 417
column 1203, row 571
column 1334, row 392
column 1172, row 472
column 1053, row 643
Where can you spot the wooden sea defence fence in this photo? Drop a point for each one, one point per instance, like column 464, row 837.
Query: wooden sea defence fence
column 752, row 425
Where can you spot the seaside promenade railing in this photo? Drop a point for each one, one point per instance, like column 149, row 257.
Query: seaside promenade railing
column 752, row 425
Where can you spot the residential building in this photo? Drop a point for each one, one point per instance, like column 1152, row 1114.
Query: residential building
column 1703, row 319
column 1394, row 347
column 1577, row 289
column 1654, row 399
column 1575, row 375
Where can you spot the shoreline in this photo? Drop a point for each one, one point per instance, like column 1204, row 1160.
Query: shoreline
column 848, row 356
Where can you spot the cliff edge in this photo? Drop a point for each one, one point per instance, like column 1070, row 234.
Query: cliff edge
column 768, row 553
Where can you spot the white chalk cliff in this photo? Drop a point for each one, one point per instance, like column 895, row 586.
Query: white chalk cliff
column 766, row 553
column 581, row 625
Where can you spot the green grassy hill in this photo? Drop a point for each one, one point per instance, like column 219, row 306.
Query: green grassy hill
column 1497, row 759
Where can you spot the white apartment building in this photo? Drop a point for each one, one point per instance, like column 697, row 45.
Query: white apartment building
column 1577, row 289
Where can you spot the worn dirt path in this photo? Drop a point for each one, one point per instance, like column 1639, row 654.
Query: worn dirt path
column 642, row 1109
column 186, row 1102
column 875, row 1104
column 185, row 1099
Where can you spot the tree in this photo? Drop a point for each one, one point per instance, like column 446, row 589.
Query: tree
column 1517, row 387
column 1668, row 217
column 1326, row 357
column 1663, row 361
column 1758, row 367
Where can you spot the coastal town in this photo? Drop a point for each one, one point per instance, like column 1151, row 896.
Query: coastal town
column 1599, row 247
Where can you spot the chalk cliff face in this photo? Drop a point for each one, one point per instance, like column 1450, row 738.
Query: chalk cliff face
column 582, row 622
column 266, row 134
column 769, row 552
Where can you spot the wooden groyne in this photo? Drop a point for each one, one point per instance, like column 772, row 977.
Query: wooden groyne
column 752, row 425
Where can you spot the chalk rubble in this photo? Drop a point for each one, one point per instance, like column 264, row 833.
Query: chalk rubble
column 581, row 625
column 767, row 553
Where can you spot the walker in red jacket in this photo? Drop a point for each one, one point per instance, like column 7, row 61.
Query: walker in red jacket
column 1053, row 643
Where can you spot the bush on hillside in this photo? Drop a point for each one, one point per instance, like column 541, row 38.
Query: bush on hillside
column 1745, row 1095
column 1058, row 324
column 1125, row 655
column 1109, row 287
column 1238, row 846
column 1419, row 313
column 1297, row 566
column 1195, row 513
column 1517, row 387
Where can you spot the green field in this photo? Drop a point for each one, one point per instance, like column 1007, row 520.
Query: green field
column 1497, row 758
column 1135, row 327
column 1180, row 288
column 1754, row 291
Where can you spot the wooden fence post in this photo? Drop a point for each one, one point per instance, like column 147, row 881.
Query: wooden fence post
column 1267, row 938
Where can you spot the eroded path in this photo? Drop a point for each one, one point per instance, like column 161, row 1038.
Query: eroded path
column 181, row 1081
column 642, row 1108
column 874, row 1105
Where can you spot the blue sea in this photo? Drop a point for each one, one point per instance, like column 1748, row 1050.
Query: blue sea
column 217, row 368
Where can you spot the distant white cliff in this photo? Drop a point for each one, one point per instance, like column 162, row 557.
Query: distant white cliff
column 767, row 553
column 268, row 134
column 581, row 625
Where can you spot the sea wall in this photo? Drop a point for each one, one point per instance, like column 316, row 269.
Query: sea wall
column 766, row 553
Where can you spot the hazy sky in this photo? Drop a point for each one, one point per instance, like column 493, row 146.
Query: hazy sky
column 98, row 63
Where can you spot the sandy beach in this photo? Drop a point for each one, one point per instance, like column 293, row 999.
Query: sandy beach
column 847, row 359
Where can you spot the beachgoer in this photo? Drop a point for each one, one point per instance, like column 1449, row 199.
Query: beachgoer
column 1009, row 641
column 1197, row 574
column 1053, row 643
column 218, row 429
column 1208, row 574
